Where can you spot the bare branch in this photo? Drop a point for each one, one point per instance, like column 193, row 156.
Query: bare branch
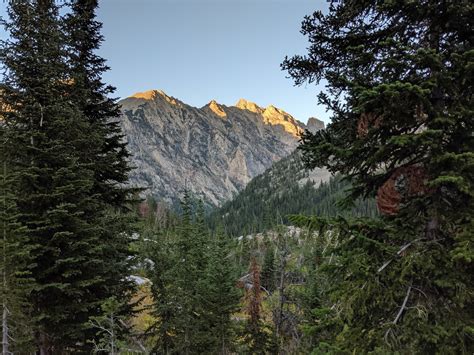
column 402, row 308
column 399, row 253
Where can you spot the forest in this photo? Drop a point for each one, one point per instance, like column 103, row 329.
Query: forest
column 284, row 190
column 379, row 260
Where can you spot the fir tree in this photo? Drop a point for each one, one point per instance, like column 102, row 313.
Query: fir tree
column 160, row 253
column 268, row 269
column 77, row 261
column 107, row 150
column 180, row 284
column 400, row 86
column 220, row 295
column 190, row 263
column 15, row 278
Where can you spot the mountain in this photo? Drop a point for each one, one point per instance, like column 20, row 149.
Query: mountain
column 214, row 151
column 287, row 188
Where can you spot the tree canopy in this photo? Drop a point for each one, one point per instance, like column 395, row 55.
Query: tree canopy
column 399, row 80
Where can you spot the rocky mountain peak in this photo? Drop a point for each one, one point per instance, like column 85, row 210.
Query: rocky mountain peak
column 248, row 105
column 275, row 116
column 314, row 125
column 216, row 108
column 272, row 108
column 153, row 95
column 145, row 95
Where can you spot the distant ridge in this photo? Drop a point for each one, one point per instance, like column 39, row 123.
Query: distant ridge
column 214, row 150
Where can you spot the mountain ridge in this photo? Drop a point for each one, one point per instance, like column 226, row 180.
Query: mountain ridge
column 214, row 150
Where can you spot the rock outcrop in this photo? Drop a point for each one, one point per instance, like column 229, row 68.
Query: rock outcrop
column 213, row 151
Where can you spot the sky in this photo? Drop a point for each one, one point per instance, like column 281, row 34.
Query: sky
column 199, row 50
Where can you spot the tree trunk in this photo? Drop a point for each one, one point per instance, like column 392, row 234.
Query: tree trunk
column 43, row 349
column 5, row 343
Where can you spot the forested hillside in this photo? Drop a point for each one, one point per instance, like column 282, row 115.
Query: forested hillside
column 287, row 188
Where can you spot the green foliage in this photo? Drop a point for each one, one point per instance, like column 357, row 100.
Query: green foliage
column 268, row 275
column 269, row 198
column 400, row 89
column 220, row 295
column 69, row 170
column 193, row 284
column 15, row 282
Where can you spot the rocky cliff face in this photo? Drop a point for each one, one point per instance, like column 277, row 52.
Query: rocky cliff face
column 213, row 150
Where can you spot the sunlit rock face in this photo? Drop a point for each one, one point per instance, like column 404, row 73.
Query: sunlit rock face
column 214, row 151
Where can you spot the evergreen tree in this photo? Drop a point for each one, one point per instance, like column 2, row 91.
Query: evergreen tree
column 400, row 86
column 190, row 266
column 77, row 260
column 268, row 269
column 159, row 262
column 107, row 152
column 221, row 297
column 15, row 279
column 183, row 285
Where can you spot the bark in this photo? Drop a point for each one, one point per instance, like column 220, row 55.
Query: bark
column 5, row 343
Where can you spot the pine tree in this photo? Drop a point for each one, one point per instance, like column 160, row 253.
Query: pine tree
column 400, row 85
column 107, row 150
column 268, row 269
column 77, row 261
column 15, row 279
column 220, row 295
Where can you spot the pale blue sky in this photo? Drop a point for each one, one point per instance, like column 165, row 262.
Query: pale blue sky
column 198, row 50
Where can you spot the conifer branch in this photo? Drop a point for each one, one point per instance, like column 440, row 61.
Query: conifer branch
column 403, row 307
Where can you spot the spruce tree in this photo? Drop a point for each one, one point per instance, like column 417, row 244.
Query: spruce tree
column 399, row 77
column 15, row 278
column 158, row 249
column 268, row 269
column 79, row 250
column 107, row 152
column 220, row 295
column 180, row 284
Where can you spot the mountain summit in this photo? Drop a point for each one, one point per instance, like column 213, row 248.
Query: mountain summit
column 213, row 151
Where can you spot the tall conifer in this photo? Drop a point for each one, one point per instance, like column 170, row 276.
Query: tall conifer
column 105, row 151
column 15, row 282
column 400, row 85
column 79, row 250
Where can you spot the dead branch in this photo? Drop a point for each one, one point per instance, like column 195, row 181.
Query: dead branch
column 402, row 308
